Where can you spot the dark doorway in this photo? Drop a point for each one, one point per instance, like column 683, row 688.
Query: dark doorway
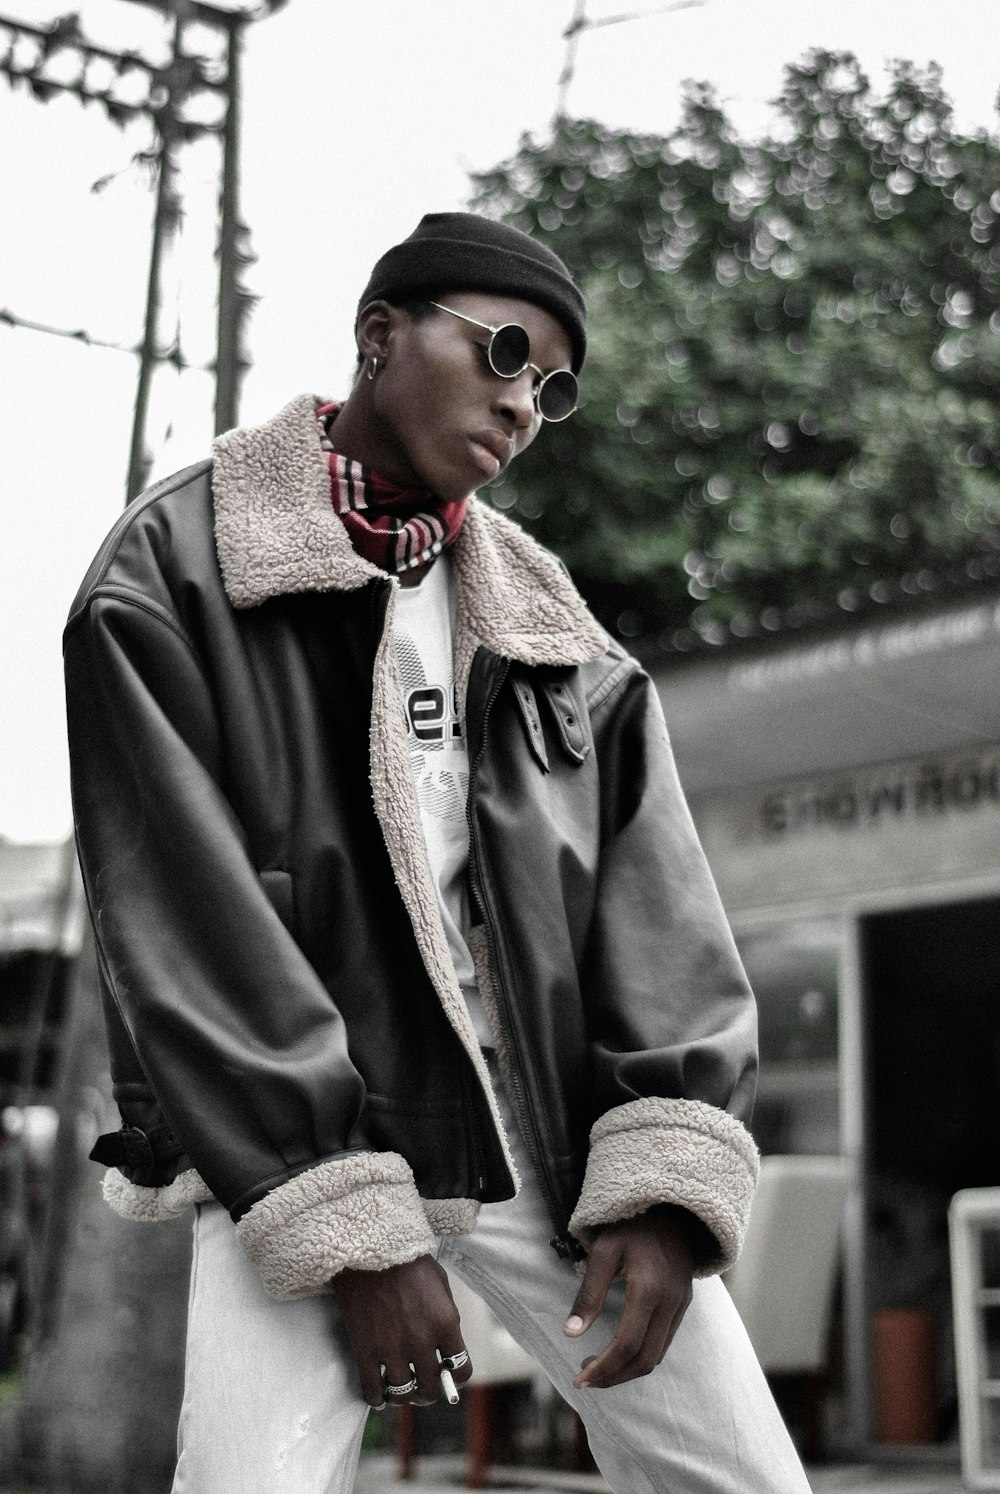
column 932, row 981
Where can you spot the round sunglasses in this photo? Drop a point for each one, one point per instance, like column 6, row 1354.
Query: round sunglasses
column 555, row 394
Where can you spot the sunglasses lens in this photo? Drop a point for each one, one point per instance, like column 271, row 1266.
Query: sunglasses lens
column 509, row 350
column 557, row 395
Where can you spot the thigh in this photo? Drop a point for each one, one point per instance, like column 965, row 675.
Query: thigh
column 703, row 1423
column 271, row 1403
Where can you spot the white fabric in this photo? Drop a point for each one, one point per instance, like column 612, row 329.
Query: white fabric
column 424, row 642
column 272, row 1403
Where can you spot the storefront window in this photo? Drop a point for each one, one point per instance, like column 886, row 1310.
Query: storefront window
column 794, row 969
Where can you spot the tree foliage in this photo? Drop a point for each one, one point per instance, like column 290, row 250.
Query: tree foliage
column 791, row 397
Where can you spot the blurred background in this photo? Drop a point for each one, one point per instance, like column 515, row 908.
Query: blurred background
column 782, row 491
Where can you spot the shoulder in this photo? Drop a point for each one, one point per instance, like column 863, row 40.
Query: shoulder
column 163, row 539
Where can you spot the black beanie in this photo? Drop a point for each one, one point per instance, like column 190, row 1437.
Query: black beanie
column 461, row 251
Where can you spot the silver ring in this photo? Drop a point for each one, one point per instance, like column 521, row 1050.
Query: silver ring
column 406, row 1389
column 455, row 1361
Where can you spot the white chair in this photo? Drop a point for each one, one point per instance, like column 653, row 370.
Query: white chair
column 783, row 1282
column 974, row 1227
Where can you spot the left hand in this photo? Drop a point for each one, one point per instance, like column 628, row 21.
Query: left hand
column 655, row 1254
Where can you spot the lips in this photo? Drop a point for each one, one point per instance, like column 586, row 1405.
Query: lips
column 492, row 443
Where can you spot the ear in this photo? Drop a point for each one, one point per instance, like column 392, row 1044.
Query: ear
column 375, row 327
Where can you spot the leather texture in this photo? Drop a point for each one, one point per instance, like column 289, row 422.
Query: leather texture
column 265, row 995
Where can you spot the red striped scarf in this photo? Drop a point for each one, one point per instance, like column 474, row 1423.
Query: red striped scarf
column 397, row 529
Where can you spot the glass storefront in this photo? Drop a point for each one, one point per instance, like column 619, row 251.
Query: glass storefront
column 795, row 970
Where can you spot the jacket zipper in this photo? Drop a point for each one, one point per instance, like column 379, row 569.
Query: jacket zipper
column 382, row 602
column 561, row 1241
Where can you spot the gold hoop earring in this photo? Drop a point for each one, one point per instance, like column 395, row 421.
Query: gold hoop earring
column 374, row 368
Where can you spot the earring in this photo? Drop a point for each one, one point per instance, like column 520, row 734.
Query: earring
column 374, row 368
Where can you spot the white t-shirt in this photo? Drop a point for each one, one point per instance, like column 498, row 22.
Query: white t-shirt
column 424, row 641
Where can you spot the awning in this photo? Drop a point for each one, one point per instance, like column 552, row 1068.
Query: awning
column 923, row 683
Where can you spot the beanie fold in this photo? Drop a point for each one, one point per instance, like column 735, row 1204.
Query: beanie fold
column 464, row 252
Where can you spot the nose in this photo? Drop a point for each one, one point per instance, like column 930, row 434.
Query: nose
column 515, row 400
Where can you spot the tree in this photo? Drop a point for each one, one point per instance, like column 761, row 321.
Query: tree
column 791, row 399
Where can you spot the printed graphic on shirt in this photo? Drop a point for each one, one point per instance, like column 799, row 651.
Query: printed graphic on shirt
column 423, row 638
column 434, row 729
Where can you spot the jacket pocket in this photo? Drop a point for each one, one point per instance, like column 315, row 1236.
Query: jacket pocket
column 430, row 1135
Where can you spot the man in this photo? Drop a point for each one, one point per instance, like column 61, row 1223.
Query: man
column 399, row 907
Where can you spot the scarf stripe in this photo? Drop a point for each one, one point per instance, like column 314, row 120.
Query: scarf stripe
column 398, row 529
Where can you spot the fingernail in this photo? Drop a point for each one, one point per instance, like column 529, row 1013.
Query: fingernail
column 574, row 1324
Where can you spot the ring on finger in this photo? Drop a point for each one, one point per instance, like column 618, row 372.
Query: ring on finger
column 406, row 1389
column 455, row 1361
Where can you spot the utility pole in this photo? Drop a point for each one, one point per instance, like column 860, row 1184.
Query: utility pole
column 232, row 310
column 165, row 215
column 233, row 300
column 168, row 91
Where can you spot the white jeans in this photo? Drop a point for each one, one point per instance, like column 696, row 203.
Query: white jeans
column 272, row 1402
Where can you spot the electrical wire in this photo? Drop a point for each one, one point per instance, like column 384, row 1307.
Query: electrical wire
column 171, row 355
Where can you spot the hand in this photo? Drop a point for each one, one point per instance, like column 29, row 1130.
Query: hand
column 655, row 1254
column 398, row 1318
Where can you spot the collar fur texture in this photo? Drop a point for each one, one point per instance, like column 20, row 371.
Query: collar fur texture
column 276, row 532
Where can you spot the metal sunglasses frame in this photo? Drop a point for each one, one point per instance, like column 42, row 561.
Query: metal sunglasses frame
column 543, row 377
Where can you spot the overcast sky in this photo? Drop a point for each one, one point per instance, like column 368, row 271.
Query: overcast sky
column 358, row 118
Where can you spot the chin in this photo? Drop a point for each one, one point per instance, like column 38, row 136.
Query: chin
column 448, row 488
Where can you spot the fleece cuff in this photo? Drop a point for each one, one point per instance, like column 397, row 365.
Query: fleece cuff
column 154, row 1205
column 682, row 1152
column 360, row 1211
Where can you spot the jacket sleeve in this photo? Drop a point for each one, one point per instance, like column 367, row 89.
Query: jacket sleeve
column 671, row 1018
column 225, row 1032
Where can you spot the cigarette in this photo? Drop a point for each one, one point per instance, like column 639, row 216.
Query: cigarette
column 449, row 1387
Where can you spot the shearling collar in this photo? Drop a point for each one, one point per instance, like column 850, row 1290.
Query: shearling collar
column 276, row 532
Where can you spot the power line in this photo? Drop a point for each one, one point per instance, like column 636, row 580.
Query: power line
column 581, row 22
column 171, row 355
column 632, row 15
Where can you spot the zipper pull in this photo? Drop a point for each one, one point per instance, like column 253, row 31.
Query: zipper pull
column 566, row 1248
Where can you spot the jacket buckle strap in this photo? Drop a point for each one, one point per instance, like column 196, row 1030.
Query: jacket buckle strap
column 527, row 705
column 136, row 1151
column 570, row 720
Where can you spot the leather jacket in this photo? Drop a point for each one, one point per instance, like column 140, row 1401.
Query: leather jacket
column 286, row 1031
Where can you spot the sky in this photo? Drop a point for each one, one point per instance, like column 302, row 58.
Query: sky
column 357, row 119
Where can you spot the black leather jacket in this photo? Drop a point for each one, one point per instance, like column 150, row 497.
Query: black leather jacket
column 285, row 1028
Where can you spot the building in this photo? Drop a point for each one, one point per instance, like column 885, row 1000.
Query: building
column 846, row 787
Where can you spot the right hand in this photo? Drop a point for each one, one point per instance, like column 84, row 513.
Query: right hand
column 398, row 1318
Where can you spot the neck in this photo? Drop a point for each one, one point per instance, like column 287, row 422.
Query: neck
column 414, row 577
column 360, row 436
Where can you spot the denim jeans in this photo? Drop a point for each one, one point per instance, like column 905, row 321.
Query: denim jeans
column 272, row 1403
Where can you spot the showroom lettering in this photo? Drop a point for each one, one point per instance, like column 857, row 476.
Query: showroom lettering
column 929, row 789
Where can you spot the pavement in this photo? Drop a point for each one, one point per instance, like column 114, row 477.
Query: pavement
column 445, row 1475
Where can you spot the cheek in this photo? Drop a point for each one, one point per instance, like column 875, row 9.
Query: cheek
column 436, row 413
column 526, row 437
